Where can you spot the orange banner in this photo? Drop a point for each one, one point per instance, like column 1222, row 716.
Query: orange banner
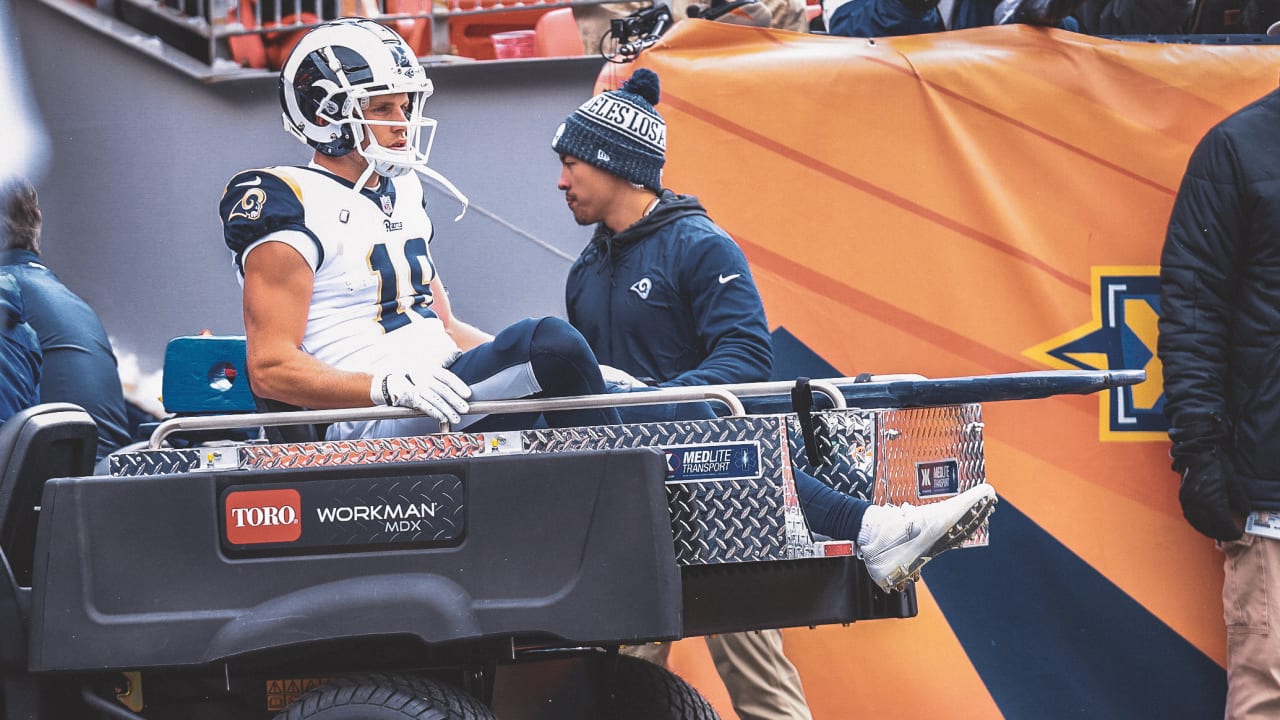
column 982, row 201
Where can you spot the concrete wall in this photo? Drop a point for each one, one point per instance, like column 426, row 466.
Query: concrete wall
column 141, row 153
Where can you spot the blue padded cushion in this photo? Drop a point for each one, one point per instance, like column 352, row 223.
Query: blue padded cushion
column 206, row 374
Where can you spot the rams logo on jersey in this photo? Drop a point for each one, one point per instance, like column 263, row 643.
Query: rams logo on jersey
column 1122, row 335
column 250, row 206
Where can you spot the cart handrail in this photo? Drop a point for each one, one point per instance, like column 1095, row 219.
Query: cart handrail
column 901, row 389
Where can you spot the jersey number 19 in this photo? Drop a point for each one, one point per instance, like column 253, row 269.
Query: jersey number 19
column 392, row 300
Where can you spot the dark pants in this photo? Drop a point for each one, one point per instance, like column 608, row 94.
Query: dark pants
column 534, row 358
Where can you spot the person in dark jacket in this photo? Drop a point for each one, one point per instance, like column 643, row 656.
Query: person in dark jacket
column 1132, row 17
column 665, row 297
column 641, row 278
column 1219, row 344
column 19, row 353
column 79, row 364
column 889, row 18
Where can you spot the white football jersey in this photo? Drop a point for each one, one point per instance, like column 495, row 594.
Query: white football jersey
column 371, row 302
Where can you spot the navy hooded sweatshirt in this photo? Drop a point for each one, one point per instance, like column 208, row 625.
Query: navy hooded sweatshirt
column 671, row 300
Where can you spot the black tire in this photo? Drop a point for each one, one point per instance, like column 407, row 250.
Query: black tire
column 636, row 689
column 381, row 696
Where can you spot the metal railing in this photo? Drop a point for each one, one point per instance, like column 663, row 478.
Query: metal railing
column 229, row 18
column 904, row 390
column 224, row 39
column 207, row 39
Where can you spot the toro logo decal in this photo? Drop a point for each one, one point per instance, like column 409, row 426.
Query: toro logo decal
column 263, row 516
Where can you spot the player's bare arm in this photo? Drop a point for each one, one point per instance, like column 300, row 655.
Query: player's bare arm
column 277, row 295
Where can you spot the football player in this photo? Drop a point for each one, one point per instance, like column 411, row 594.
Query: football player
column 343, row 305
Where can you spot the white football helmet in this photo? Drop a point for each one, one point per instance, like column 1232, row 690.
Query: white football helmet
column 329, row 78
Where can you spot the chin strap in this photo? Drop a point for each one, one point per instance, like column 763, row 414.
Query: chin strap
column 426, row 172
column 363, row 181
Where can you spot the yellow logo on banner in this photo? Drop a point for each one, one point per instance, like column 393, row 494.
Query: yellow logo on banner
column 1121, row 335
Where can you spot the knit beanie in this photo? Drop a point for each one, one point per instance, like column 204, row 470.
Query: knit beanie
column 620, row 132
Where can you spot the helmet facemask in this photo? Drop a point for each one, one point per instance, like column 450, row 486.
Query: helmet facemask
column 387, row 161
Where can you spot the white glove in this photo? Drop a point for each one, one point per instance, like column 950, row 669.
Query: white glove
column 436, row 392
column 619, row 379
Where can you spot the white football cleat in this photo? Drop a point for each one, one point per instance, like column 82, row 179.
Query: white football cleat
column 901, row 539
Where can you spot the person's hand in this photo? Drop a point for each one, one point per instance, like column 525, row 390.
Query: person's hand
column 434, row 391
column 618, row 380
column 1210, row 497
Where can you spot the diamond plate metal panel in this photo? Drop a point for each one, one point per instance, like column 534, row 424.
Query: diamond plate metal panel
column 719, row 522
column 713, row 521
column 303, row 455
column 664, row 434
column 155, row 462
column 847, row 438
column 360, row 452
column 908, row 437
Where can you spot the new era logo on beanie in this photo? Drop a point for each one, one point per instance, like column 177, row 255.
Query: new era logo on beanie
column 620, row 132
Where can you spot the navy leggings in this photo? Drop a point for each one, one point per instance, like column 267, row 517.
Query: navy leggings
column 534, row 358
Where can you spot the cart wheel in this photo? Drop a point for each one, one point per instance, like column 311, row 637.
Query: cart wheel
column 379, row 696
column 639, row 690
